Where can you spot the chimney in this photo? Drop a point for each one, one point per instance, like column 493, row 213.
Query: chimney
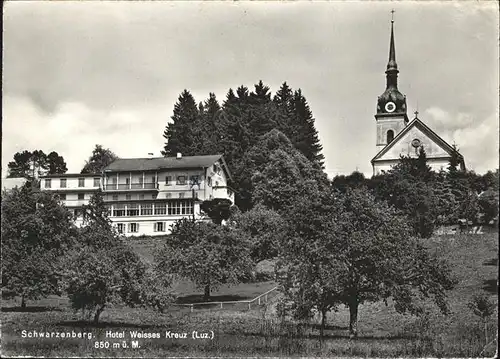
column 179, row 155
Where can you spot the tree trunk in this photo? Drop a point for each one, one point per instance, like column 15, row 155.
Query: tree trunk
column 486, row 331
column 323, row 323
column 353, row 319
column 23, row 302
column 206, row 296
column 98, row 314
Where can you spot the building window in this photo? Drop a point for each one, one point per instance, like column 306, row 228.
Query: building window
column 146, row 209
column 81, row 182
column 390, row 136
column 154, row 195
column 181, row 195
column 209, row 181
column 160, row 208
column 133, row 227
column 97, row 182
column 81, row 196
column 141, row 196
column 168, row 180
column 180, row 207
column 120, row 227
column 78, row 212
column 128, row 197
column 62, row 183
column 62, row 196
column 159, row 227
column 195, row 180
column 187, row 207
column 168, row 195
column 181, row 180
column 119, row 210
column 174, row 208
column 127, row 181
column 48, row 183
column 216, row 183
column 115, row 197
column 132, row 209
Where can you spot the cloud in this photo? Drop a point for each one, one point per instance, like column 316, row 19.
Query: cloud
column 73, row 129
column 476, row 138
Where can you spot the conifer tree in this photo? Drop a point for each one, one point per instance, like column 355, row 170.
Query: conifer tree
column 261, row 111
column 304, row 135
column 183, row 134
column 211, row 125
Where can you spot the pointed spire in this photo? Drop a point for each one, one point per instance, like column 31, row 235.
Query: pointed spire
column 392, row 66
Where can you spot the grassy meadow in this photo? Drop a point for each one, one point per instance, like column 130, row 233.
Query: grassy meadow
column 258, row 332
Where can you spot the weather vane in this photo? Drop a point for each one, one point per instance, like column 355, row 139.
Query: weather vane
column 392, row 15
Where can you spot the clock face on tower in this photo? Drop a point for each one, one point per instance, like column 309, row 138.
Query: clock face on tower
column 390, row 107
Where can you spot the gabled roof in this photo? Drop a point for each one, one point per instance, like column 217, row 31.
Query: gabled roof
column 426, row 130
column 158, row 163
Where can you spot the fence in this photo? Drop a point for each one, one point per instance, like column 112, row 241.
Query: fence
column 264, row 298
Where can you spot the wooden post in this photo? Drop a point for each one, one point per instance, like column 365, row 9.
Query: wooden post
column 266, row 298
column 191, row 308
column 220, row 305
column 259, row 300
column 248, row 305
column 192, row 195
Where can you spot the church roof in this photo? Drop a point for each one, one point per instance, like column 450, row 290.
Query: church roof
column 416, row 122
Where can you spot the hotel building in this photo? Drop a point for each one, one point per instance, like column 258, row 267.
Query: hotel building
column 145, row 196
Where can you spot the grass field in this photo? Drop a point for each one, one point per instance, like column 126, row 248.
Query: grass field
column 383, row 332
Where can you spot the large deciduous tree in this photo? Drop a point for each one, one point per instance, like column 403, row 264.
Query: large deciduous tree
column 350, row 249
column 101, row 157
column 266, row 229
column 205, row 253
column 102, row 270
column 36, row 232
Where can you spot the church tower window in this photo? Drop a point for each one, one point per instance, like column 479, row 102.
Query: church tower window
column 390, row 136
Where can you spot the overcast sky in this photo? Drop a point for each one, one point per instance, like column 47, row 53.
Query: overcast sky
column 76, row 74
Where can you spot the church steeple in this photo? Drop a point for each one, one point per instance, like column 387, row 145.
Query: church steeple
column 392, row 66
column 392, row 102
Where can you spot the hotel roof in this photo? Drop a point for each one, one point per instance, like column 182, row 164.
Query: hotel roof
column 158, row 163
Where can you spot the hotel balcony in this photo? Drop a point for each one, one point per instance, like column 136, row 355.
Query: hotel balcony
column 114, row 187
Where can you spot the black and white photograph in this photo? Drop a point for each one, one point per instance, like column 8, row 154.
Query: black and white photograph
column 243, row 179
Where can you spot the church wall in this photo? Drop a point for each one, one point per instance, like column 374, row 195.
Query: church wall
column 405, row 148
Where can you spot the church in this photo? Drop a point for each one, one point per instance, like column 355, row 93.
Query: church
column 397, row 135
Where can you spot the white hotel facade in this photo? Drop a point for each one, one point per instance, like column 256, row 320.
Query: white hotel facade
column 145, row 196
